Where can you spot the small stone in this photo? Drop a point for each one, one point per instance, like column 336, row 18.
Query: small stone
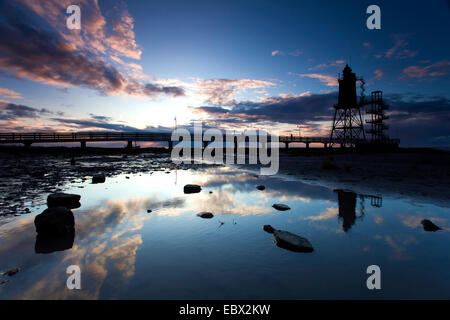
column 268, row 228
column 261, row 187
column 205, row 215
column 429, row 226
column 11, row 272
column 192, row 188
column 99, row 178
column 149, row 211
column 67, row 200
column 281, row 207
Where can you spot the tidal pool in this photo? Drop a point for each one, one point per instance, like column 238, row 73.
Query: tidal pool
column 125, row 252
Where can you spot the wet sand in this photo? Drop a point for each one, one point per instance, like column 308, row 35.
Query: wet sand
column 409, row 175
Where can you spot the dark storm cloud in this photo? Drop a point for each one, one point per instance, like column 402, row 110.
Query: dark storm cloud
column 419, row 120
column 288, row 110
column 86, row 123
column 29, row 51
column 12, row 111
column 151, row 89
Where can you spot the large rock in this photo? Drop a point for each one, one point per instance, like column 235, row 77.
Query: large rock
column 67, row 200
column 281, row 207
column 54, row 222
column 192, row 188
column 205, row 215
column 289, row 241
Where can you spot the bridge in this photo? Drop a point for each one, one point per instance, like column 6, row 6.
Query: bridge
column 84, row 137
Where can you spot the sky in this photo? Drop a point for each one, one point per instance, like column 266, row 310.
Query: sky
column 139, row 65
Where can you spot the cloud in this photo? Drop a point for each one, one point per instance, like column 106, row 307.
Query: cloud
column 329, row 213
column 330, row 81
column 334, row 64
column 398, row 50
column 275, row 52
column 223, row 91
column 10, row 94
column 378, row 74
column 11, row 111
column 122, row 41
column 45, row 54
column 437, row 69
column 288, row 109
column 81, row 124
column 294, row 53
column 419, row 120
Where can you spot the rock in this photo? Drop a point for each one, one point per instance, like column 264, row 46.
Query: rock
column 149, row 211
column 55, row 221
column 281, row 207
column 293, row 242
column 67, row 200
column 99, row 178
column 72, row 162
column 289, row 241
column 11, row 272
column 205, row 215
column 429, row 226
column 192, row 188
column 260, row 188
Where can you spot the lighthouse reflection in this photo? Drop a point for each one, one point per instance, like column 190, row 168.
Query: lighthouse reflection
column 347, row 201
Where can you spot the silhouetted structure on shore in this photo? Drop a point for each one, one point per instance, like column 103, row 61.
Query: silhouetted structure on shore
column 348, row 124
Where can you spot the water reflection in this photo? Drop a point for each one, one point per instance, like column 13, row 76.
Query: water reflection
column 124, row 251
column 347, row 206
column 51, row 244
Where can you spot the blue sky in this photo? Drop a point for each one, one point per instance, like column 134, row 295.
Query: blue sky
column 136, row 65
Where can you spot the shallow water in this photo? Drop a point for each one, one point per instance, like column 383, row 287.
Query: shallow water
column 126, row 253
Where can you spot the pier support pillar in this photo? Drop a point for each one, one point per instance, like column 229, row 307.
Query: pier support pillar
column 130, row 145
column 27, row 144
column 83, row 144
column 307, row 145
column 286, row 145
column 170, row 145
column 325, row 145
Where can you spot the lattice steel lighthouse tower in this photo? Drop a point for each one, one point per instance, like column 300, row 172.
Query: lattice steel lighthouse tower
column 348, row 129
